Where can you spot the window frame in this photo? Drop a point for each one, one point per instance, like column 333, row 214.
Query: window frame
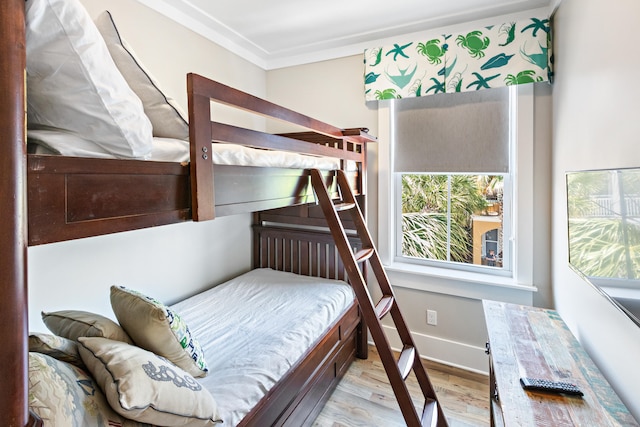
column 521, row 240
column 507, row 227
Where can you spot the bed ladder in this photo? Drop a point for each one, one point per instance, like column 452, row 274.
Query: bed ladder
column 397, row 371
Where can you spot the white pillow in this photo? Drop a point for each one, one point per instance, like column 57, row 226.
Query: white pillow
column 165, row 114
column 69, row 144
column 73, row 84
column 144, row 387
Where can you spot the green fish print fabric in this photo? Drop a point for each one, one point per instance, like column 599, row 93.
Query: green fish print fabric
column 512, row 53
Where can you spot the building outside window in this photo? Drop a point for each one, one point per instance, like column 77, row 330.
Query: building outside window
column 452, row 217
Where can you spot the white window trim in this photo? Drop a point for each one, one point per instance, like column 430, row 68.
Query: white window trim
column 448, row 280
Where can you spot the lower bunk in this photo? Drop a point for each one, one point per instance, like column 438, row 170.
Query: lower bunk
column 276, row 343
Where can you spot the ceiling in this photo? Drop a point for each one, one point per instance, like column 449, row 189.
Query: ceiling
column 278, row 33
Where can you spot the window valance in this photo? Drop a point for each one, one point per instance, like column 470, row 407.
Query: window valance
column 495, row 56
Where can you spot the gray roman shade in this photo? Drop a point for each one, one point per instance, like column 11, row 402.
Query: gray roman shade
column 463, row 132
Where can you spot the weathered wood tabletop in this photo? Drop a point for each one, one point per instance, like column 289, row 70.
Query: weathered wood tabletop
column 534, row 342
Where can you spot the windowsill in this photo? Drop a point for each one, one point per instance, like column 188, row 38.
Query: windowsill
column 459, row 283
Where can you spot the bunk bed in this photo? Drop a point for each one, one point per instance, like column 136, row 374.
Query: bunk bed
column 55, row 198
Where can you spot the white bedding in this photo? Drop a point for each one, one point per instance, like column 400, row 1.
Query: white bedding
column 255, row 327
column 177, row 150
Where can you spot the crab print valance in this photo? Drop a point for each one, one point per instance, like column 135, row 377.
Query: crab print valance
column 495, row 56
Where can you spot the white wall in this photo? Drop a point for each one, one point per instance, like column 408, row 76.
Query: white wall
column 333, row 91
column 168, row 262
column 596, row 111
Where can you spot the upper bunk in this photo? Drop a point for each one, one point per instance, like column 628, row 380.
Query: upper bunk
column 76, row 197
column 93, row 111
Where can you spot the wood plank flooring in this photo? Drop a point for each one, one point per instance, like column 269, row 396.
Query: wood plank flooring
column 364, row 397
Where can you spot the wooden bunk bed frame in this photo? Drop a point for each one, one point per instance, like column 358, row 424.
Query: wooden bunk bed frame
column 51, row 198
column 71, row 197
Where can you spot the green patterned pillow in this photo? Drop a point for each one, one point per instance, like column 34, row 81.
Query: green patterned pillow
column 155, row 327
column 64, row 395
column 57, row 347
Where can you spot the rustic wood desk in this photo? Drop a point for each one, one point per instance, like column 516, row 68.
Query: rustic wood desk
column 533, row 342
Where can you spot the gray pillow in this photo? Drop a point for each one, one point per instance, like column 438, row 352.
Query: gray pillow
column 164, row 113
column 73, row 324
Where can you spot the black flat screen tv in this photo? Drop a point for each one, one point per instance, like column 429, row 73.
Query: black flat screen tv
column 604, row 233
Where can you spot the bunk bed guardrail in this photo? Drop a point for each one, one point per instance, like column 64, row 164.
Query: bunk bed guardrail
column 322, row 139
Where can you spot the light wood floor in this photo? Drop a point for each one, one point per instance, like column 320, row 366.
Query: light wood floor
column 364, row 397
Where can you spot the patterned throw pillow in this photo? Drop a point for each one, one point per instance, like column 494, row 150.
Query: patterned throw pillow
column 64, row 395
column 144, row 387
column 72, row 324
column 59, row 348
column 155, row 327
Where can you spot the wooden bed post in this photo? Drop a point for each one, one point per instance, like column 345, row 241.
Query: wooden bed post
column 202, row 195
column 13, row 249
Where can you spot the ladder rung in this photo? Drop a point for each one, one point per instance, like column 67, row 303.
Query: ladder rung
column 405, row 362
column 383, row 306
column 430, row 413
column 344, row 206
column 364, row 254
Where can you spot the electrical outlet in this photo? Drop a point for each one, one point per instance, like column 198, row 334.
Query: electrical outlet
column 432, row 317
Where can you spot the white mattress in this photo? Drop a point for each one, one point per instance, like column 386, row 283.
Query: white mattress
column 255, row 327
column 177, row 150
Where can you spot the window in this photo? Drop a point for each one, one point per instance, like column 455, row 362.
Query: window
column 452, row 174
column 456, row 218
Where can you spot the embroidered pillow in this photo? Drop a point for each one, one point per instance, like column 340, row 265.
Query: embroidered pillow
column 65, row 395
column 157, row 328
column 72, row 324
column 144, row 387
column 164, row 113
column 59, row 348
column 73, row 83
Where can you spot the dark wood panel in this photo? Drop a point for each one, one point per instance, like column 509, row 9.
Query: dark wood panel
column 323, row 385
column 316, row 254
column 91, row 197
column 75, row 198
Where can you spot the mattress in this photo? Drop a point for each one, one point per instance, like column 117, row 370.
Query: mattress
column 255, row 327
column 176, row 150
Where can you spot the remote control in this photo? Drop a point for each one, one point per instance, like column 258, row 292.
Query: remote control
column 537, row 384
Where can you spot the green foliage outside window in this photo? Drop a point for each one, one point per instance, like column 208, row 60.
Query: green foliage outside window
column 426, row 229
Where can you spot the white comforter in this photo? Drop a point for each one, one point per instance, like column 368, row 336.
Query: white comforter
column 176, row 150
column 255, row 327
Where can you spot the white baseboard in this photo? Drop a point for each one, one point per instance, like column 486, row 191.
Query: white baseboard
column 447, row 352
